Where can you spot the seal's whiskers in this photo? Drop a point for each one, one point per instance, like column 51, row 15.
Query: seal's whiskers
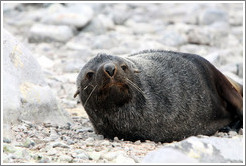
column 90, row 95
column 135, row 86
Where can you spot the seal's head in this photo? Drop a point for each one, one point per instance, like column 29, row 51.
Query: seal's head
column 106, row 81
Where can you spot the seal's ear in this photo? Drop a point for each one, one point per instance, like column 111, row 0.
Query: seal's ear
column 76, row 93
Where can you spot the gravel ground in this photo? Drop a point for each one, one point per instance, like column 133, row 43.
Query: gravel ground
column 62, row 46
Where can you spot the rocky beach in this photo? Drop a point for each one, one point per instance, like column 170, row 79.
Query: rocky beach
column 52, row 42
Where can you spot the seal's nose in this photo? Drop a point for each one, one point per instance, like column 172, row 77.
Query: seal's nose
column 110, row 69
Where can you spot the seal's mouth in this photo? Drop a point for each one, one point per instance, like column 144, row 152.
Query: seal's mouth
column 114, row 84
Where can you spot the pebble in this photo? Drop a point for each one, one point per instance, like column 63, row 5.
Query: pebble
column 52, row 152
column 110, row 155
column 81, row 156
column 59, row 144
column 6, row 140
column 123, row 159
column 8, row 148
column 65, row 158
column 94, row 155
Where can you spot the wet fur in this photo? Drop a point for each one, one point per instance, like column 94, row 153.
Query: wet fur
column 183, row 95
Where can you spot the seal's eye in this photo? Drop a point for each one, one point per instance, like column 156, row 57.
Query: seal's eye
column 124, row 67
column 89, row 74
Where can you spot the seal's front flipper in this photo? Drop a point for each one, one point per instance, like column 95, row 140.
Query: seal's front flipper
column 233, row 126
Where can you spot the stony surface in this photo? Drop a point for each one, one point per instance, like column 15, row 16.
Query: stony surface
column 204, row 149
column 26, row 94
column 214, row 31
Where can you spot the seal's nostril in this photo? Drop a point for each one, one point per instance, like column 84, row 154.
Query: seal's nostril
column 110, row 69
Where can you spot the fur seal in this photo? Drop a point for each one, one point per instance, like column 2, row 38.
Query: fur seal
column 157, row 95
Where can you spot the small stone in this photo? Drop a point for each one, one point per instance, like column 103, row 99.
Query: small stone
column 85, row 129
column 137, row 142
column 28, row 143
column 232, row 133
column 105, row 143
column 240, row 132
column 109, row 156
column 70, row 142
column 123, row 159
column 65, row 158
column 94, row 155
column 116, row 139
column 52, row 152
column 44, row 160
column 6, row 140
column 59, row 144
column 82, row 156
column 90, row 139
column 99, row 137
column 8, row 148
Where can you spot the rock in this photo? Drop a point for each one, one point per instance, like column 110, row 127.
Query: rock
column 199, row 36
column 211, row 36
column 100, row 25
column 192, row 14
column 205, row 150
column 167, row 155
column 82, row 41
column 77, row 15
column 81, row 156
column 236, row 19
column 48, row 33
column 65, row 158
column 172, row 38
column 6, row 140
column 94, row 155
column 7, row 148
column 117, row 13
column 112, row 155
column 28, row 143
column 59, row 144
column 26, row 95
column 212, row 15
column 52, row 152
column 109, row 156
column 85, row 129
column 123, row 159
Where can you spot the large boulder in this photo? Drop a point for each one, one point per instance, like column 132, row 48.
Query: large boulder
column 26, row 95
column 202, row 150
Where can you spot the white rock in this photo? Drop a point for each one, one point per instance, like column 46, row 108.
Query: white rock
column 212, row 15
column 42, row 32
column 77, row 15
column 25, row 93
column 123, row 159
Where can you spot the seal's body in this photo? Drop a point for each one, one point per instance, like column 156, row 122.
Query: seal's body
column 157, row 95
